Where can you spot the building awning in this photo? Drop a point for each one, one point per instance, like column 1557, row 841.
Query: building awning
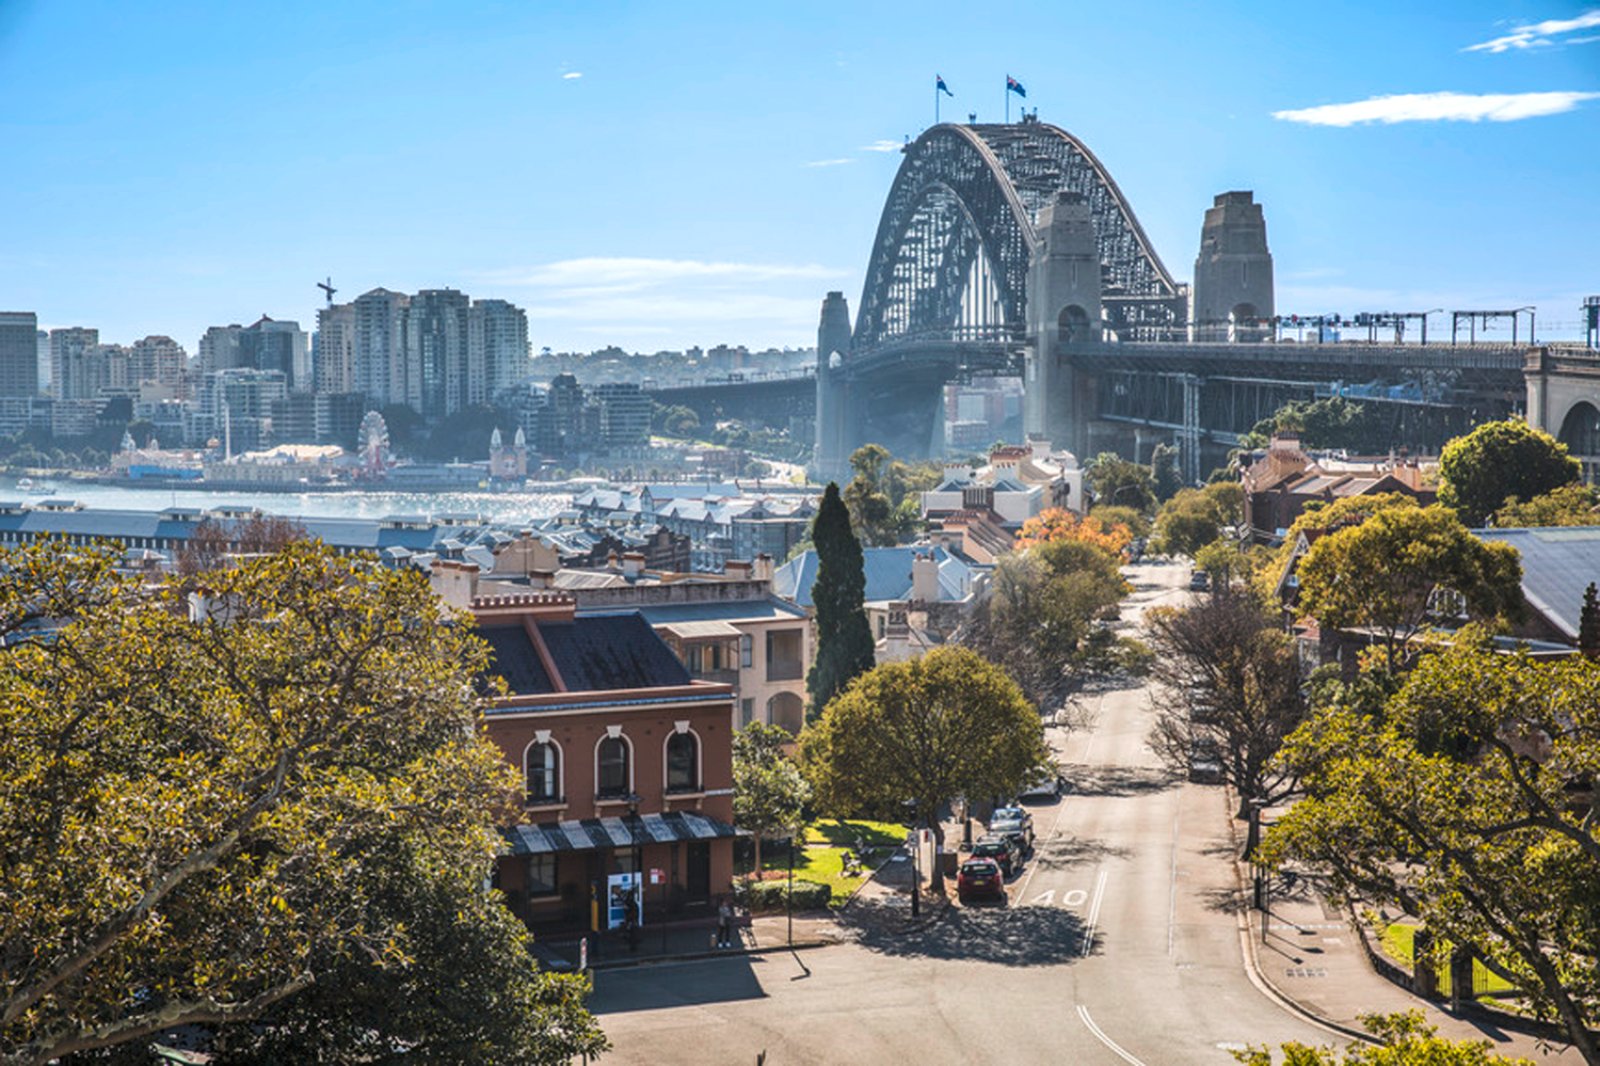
column 703, row 630
column 604, row 834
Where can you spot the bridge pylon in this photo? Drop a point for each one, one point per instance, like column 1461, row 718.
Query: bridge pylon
column 831, row 458
column 1064, row 279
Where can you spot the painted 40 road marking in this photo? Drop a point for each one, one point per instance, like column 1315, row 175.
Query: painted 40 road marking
column 1075, row 897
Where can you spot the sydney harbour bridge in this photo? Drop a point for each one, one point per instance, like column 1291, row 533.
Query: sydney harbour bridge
column 1009, row 249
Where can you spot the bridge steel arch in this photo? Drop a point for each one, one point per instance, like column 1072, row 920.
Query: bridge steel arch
column 963, row 213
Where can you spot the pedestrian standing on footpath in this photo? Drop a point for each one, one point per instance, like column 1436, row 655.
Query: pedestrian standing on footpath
column 725, row 924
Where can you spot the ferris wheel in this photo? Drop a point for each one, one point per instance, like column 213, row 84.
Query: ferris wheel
column 374, row 438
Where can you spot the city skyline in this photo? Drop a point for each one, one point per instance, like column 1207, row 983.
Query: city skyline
column 659, row 182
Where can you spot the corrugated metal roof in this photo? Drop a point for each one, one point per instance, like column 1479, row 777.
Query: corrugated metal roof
column 701, row 630
column 1558, row 563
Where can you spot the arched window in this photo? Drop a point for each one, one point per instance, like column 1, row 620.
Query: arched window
column 542, row 767
column 786, row 711
column 1580, row 430
column 1073, row 323
column 683, row 762
column 613, row 773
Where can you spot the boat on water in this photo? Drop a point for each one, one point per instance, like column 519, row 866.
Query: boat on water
column 34, row 488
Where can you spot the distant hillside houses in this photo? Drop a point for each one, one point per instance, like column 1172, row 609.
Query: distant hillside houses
column 723, row 521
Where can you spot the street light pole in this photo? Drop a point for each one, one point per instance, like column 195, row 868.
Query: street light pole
column 789, row 896
column 916, row 872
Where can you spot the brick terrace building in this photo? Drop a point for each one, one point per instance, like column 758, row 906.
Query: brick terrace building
column 627, row 765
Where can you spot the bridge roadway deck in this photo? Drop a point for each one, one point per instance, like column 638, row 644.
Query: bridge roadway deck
column 1329, row 359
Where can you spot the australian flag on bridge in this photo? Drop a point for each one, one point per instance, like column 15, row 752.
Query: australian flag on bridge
column 940, row 86
column 1015, row 86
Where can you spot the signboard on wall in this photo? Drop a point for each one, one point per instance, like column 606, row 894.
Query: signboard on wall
column 618, row 887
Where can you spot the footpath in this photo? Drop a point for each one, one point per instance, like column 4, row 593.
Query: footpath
column 1310, row 958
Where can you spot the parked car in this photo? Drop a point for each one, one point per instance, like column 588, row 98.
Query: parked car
column 979, row 877
column 1205, row 763
column 1199, row 581
column 1014, row 820
column 1044, row 783
column 1002, row 849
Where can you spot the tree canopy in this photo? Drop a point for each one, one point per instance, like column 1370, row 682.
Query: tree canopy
column 884, row 496
column 1040, row 611
column 844, row 640
column 1480, row 472
column 284, row 800
column 1058, row 523
column 1405, row 1040
column 1230, row 682
column 769, row 792
column 1116, row 481
column 921, row 733
column 1575, row 504
column 1330, row 422
column 1467, row 801
column 1404, row 567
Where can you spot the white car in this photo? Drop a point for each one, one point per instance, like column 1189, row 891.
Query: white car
column 1044, row 784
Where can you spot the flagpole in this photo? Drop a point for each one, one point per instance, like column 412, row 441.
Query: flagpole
column 1008, row 99
column 936, row 101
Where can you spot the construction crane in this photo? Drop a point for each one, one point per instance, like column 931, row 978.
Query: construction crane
column 327, row 287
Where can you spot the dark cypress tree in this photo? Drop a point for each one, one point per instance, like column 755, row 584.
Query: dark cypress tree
column 1589, row 624
column 844, row 640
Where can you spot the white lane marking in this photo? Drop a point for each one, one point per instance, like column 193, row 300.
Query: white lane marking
column 1074, row 898
column 1172, row 889
column 1055, row 826
column 1083, row 1013
column 1094, row 913
column 1047, row 897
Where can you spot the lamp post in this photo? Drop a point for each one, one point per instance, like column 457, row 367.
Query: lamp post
column 635, row 911
column 789, row 895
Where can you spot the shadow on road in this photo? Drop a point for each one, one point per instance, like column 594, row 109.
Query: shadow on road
column 719, row 980
column 1010, row 936
column 1069, row 851
column 1120, row 780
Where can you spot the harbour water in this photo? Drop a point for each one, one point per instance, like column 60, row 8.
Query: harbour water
column 506, row 507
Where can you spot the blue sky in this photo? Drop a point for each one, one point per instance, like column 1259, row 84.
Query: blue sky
column 666, row 174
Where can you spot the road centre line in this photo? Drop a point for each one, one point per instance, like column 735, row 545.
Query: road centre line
column 1094, row 913
column 1099, row 1034
column 1172, row 888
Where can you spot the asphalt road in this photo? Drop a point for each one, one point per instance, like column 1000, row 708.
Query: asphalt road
column 1120, row 946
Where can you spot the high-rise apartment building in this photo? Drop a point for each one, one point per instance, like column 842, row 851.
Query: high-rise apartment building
column 624, row 414
column 378, row 355
column 158, row 360
column 76, row 363
column 333, row 353
column 44, row 361
column 19, row 353
column 436, row 346
column 270, row 344
column 219, row 349
column 498, row 343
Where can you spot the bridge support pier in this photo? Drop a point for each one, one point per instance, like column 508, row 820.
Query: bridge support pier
column 1063, row 307
column 831, row 458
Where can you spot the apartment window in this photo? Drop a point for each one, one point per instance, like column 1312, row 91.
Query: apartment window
column 543, row 771
column 683, row 763
column 541, row 878
column 612, row 777
column 747, row 651
column 747, row 712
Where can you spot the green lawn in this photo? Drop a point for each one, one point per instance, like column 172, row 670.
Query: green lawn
column 822, row 859
column 1397, row 942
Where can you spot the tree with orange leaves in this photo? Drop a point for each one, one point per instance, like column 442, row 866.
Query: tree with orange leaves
column 1058, row 523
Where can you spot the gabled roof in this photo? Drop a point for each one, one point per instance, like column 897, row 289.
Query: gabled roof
column 1558, row 563
column 887, row 570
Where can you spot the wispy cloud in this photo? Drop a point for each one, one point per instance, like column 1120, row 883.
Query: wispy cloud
column 829, row 162
column 1541, row 34
column 882, row 146
column 636, row 272
column 1438, row 107
column 572, row 75
column 674, row 301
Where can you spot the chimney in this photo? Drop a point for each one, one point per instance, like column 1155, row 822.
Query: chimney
column 957, row 471
column 541, row 579
column 924, row 577
column 632, row 564
column 456, row 583
column 737, row 569
column 762, row 571
column 612, row 562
